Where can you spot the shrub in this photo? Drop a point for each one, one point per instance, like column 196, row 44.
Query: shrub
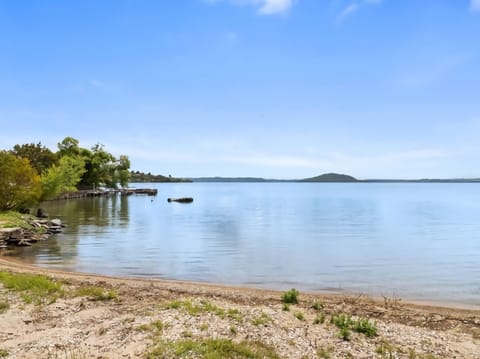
column 290, row 296
column 341, row 320
column 364, row 326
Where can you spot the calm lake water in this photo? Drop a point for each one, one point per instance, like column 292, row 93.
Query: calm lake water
column 411, row 240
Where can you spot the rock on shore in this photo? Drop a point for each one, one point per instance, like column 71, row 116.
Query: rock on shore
column 41, row 230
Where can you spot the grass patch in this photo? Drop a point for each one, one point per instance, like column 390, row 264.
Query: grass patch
column 187, row 334
column 262, row 319
column 341, row 320
column 11, row 219
column 290, row 296
column 318, row 306
column 366, row 327
column 33, row 288
column 299, row 316
column 325, row 353
column 286, row 307
column 345, row 333
column 4, row 307
column 4, row 353
column 155, row 327
column 212, row 349
column 412, row 354
column 95, row 293
column 385, row 349
column 319, row 319
column 234, row 314
column 346, row 324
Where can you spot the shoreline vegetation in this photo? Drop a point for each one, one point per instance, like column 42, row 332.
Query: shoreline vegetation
column 50, row 313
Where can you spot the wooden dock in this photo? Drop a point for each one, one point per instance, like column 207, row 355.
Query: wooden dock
column 107, row 192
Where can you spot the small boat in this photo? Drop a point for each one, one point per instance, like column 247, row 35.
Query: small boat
column 181, row 200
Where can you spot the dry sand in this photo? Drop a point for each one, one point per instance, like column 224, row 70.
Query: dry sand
column 76, row 327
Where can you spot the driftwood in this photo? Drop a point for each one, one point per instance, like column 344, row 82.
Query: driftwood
column 181, row 200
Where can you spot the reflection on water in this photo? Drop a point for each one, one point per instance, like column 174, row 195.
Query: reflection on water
column 420, row 241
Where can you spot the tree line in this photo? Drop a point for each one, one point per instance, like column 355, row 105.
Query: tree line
column 30, row 173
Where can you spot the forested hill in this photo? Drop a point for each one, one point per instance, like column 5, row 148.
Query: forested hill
column 140, row 177
column 331, row 177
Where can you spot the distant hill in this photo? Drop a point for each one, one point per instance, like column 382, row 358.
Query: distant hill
column 140, row 177
column 331, row 177
column 327, row 177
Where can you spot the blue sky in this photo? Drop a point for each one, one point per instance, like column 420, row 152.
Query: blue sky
column 271, row 88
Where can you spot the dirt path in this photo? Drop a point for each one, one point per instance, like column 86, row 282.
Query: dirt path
column 161, row 318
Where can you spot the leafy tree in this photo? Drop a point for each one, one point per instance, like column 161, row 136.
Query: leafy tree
column 122, row 173
column 103, row 169
column 20, row 185
column 40, row 157
column 62, row 177
column 68, row 147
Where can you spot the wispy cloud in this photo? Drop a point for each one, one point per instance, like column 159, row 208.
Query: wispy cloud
column 347, row 11
column 104, row 86
column 431, row 72
column 264, row 7
column 354, row 6
column 96, row 85
column 475, row 5
column 269, row 7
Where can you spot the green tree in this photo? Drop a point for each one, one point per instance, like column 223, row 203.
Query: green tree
column 122, row 171
column 20, row 185
column 103, row 169
column 68, row 147
column 62, row 177
column 40, row 157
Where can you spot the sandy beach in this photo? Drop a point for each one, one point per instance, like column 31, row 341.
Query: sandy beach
column 167, row 319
